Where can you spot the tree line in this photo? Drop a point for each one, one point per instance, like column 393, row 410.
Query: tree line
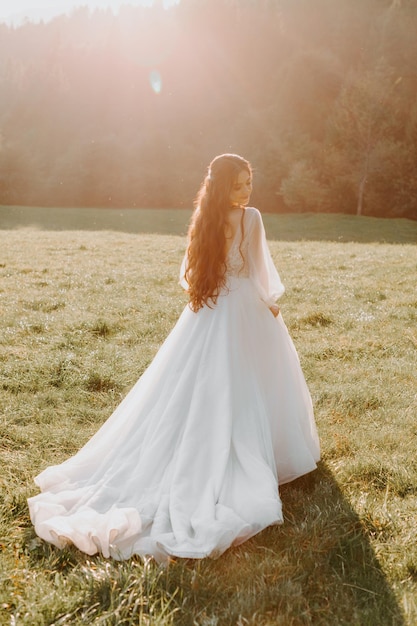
column 127, row 110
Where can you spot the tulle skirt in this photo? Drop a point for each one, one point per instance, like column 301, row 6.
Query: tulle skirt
column 190, row 462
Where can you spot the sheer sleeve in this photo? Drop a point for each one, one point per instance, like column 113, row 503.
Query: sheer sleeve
column 182, row 280
column 262, row 270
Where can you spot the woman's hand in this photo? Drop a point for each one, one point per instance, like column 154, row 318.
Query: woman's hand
column 274, row 308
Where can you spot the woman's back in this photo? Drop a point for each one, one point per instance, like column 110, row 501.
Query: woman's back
column 235, row 222
column 237, row 243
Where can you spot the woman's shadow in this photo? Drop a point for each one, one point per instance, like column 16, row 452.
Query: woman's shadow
column 340, row 576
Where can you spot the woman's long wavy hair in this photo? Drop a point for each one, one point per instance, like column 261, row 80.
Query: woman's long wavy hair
column 206, row 253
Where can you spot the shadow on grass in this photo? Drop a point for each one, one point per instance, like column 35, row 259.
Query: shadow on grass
column 283, row 227
column 339, row 564
column 337, row 569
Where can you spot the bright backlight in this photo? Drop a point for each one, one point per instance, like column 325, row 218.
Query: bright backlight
column 15, row 12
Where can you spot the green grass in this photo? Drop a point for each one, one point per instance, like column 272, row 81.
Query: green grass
column 286, row 227
column 83, row 313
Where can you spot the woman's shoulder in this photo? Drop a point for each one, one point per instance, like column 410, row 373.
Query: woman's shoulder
column 252, row 215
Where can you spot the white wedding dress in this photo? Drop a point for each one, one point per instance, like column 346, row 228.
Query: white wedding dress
column 190, row 461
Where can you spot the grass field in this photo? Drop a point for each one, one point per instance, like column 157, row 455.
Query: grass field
column 288, row 227
column 83, row 313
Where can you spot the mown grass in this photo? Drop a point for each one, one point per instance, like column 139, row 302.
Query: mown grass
column 288, row 227
column 83, row 313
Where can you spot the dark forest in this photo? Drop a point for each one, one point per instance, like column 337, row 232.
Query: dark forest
column 127, row 110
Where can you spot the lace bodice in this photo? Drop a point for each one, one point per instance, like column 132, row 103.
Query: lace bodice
column 237, row 258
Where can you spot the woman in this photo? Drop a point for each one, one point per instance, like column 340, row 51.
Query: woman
column 189, row 463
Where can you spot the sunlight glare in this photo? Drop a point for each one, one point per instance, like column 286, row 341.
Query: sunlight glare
column 156, row 81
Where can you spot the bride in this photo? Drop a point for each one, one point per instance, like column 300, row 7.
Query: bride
column 190, row 462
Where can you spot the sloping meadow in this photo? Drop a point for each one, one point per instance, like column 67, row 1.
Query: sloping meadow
column 82, row 315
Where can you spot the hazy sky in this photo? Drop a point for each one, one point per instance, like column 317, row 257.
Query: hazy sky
column 16, row 11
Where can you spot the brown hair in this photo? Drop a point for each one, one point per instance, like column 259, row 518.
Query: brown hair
column 206, row 254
